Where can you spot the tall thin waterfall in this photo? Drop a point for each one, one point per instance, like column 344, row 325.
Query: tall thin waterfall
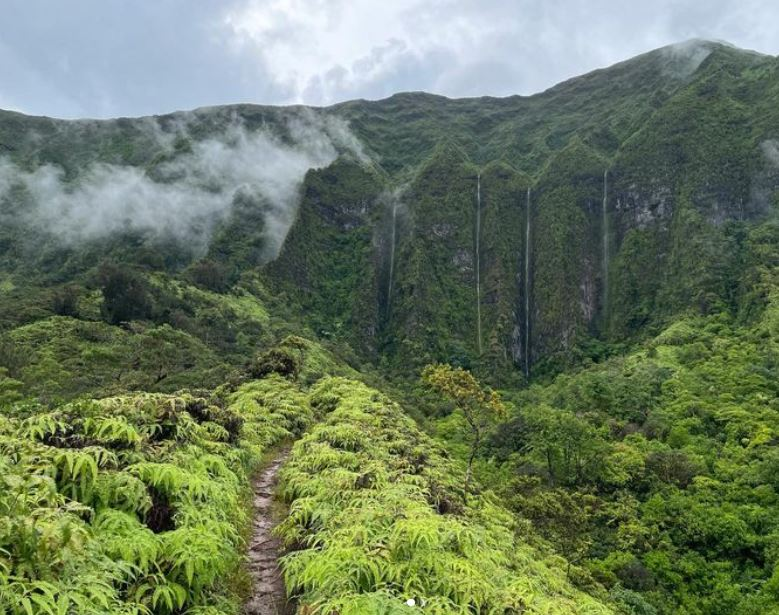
column 527, row 284
column 478, row 263
column 392, row 252
column 605, row 225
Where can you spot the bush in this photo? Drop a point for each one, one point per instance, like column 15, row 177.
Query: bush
column 276, row 361
column 125, row 294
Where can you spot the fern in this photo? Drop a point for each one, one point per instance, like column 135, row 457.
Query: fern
column 161, row 595
column 114, row 430
column 195, row 557
column 124, row 538
column 42, row 426
column 78, row 469
column 79, row 484
column 122, row 491
column 361, row 487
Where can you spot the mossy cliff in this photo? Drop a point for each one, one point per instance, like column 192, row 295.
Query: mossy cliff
column 632, row 221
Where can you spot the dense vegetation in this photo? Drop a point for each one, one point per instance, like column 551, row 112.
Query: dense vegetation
column 137, row 504
column 133, row 504
column 379, row 516
column 654, row 473
column 575, row 295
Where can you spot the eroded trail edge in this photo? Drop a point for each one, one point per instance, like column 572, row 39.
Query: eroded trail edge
column 268, row 595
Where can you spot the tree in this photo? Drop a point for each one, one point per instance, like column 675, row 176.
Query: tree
column 563, row 517
column 573, row 451
column 479, row 405
column 125, row 294
column 65, row 300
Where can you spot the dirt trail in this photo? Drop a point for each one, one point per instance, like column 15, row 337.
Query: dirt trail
column 269, row 595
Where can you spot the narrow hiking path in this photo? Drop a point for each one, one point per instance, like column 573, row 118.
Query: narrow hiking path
column 268, row 596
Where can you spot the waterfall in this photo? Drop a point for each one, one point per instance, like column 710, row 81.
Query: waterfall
column 605, row 225
column 478, row 263
column 392, row 253
column 527, row 285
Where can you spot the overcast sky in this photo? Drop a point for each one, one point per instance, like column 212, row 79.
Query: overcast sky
column 104, row 58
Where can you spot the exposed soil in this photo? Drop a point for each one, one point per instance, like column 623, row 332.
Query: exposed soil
column 269, row 596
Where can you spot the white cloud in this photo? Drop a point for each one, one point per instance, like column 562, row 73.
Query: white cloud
column 191, row 193
column 309, row 45
column 328, row 51
column 97, row 58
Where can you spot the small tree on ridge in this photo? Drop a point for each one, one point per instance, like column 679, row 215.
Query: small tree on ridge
column 480, row 405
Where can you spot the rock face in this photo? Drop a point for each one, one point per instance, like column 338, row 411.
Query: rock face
column 687, row 173
column 330, row 261
column 269, row 596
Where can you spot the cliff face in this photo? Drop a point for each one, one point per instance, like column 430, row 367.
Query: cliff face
column 630, row 222
column 501, row 233
column 331, row 261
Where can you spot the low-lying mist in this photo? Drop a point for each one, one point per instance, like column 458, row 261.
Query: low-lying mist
column 189, row 193
column 683, row 59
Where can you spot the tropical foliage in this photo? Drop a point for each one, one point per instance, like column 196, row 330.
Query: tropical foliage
column 655, row 472
column 479, row 406
column 379, row 517
column 134, row 504
column 591, row 274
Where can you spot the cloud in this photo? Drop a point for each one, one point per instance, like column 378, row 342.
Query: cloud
column 328, row 51
column 188, row 195
column 684, row 58
column 102, row 59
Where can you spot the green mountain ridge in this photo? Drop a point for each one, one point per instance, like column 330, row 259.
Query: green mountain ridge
column 631, row 120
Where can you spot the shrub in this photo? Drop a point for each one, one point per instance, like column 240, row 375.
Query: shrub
column 276, row 360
